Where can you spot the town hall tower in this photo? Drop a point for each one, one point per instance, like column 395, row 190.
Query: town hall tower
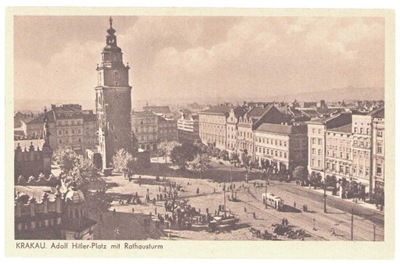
column 113, row 102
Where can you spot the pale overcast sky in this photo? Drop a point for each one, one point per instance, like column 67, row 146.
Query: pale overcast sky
column 197, row 57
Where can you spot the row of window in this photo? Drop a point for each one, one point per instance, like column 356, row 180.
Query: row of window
column 275, row 142
column 341, row 154
column 338, row 142
column 276, row 153
column 66, row 132
column 314, row 130
column 67, row 140
column 315, row 162
column 69, row 122
column 361, row 143
column 340, row 168
column 316, row 140
column 365, row 131
column 246, row 134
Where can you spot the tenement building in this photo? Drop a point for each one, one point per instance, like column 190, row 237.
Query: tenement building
column 188, row 127
column 249, row 122
column 362, row 151
column 232, row 129
column 339, row 157
column 281, row 146
column 212, row 126
column 167, row 129
column 145, row 129
column 113, row 102
column 378, row 148
column 69, row 125
column 316, row 133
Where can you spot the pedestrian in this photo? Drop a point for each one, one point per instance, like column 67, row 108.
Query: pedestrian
column 294, row 204
column 133, row 210
column 198, row 190
column 254, row 215
column 114, row 211
column 245, row 210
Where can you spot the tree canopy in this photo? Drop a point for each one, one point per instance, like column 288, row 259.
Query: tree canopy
column 66, row 158
column 123, row 162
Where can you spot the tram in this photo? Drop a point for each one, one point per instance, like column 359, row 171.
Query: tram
column 273, row 201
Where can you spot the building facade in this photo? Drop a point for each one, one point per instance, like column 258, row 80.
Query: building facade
column 212, row 126
column 167, row 129
column 339, row 155
column 188, row 128
column 316, row 133
column 69, row 125
column 362, row 151
column 113, row 102
column 232, row 129
column 145, row 129
column 279, row 146
column 378, row 149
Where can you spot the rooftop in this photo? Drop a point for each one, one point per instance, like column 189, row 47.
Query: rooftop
column 343, row 129
column 378, row 113
column 157, row 109
column 217, row 110
column 282, row 129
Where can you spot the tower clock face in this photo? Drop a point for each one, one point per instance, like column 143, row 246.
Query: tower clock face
column 116, row 75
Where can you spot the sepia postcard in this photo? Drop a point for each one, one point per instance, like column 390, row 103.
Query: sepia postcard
column 200, row 133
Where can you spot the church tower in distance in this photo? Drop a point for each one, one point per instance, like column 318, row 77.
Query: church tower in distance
column 113, row 102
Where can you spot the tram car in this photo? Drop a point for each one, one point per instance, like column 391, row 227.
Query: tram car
column 273, row 201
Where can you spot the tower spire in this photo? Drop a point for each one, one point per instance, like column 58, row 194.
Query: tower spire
column 111, row 38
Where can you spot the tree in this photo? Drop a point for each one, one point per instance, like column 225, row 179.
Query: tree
column 86, row 168
column 315, row 179
column 66, row 157
column 200, row 163
column 300, row 173
column 224, row 154
column 123, row 162
column 330, row 181
column 215, row 152
column 180, row 155
column 165, row 148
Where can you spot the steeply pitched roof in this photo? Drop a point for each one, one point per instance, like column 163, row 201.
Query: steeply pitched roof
column 39, row 119
column 257, row 112
column 378, row 113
